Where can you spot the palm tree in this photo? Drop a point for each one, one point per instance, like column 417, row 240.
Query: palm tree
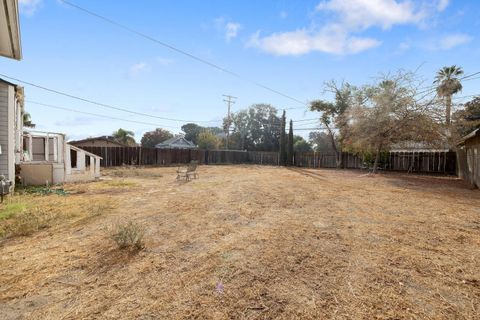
column 27, row 120
column 124, row 136
column 448, row 83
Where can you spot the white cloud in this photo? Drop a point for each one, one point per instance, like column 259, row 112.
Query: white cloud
column 137, row 69
column 29, row 7
column 442, row 4
column 231, row 30
column 328, row 40
column 453, row 40
column 367, row 13
column 346, row 20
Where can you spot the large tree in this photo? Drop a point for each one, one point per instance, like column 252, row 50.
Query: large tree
column 448, row 83
column 260, row 128
column 290, row 151
column 320, row 141
column 151, row 138
column 301, row 145
column 283, row 141
column 467, row 118
column 390, row 113
column 124, row 136
column 240, row 121
column 192, row 130
column 208, row 140
column 335, row 115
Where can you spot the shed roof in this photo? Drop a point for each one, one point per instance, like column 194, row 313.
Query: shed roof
column 176, row 142
column 471, row 135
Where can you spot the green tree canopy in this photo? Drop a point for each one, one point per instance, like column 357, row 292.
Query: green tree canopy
column 208, row 140
column 334, row 115
column 320, row 141
column 283, row 140
column 192, row 130
column 291, row 141
column 467, row 119
column 301, row 145
column 151, row 138
column 124, row 136
column 259, row 128
column 448, row 83
column 27, row 120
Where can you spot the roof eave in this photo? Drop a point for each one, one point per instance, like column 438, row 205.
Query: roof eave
column 13, row 25
column 472, row 134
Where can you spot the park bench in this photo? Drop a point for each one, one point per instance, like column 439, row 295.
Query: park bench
column 188, row 171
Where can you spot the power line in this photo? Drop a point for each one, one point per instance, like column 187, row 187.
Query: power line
column 470, row 75
column 310, row 129
column 229, row 100
column 307, row 124
column 293, row 108
column 305, row 120
column 104, row 105
column 465, row 78
column 96, row 114
column 173, row 48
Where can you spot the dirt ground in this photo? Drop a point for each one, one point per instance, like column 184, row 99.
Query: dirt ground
column 251, row 242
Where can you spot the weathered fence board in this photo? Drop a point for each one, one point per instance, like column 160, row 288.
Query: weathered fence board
column 421, row 162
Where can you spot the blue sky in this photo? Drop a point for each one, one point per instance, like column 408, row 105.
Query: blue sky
column 290, row 46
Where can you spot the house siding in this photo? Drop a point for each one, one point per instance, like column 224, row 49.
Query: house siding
column 4, row 134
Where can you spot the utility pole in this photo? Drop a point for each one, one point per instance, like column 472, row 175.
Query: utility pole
column 229, row 100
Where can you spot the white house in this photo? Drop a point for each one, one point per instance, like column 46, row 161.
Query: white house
column 11, row 108
column 47, row 158
column 43, row 157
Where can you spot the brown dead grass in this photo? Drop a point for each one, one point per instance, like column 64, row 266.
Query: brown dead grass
column 250, row 242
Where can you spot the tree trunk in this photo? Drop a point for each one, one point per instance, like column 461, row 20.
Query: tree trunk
column 448, row 110
column 339, row 157
column 377, row 158
column 338, row 154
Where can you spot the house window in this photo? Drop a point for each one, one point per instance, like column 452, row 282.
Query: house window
column 38, row 149
column 73, row 159
column 87, row 161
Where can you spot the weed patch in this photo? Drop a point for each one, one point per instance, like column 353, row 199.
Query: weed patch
column 12, row 209
column 128, row 236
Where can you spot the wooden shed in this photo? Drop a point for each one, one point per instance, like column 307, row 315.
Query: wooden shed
column 468, row 158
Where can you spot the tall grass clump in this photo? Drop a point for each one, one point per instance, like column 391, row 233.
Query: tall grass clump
column 129, row 236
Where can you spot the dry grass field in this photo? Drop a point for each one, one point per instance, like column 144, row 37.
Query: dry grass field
column 245, row 242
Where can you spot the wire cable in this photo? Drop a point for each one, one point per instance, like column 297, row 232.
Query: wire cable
column 101, row 104
column 96, row 114
column 173, row 48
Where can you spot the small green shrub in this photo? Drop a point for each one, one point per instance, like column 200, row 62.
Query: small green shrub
column 12, row 209
column 25, row 223
column 129, row 235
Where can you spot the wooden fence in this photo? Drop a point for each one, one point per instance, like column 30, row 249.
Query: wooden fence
column 432, row 162
column 425, row 162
